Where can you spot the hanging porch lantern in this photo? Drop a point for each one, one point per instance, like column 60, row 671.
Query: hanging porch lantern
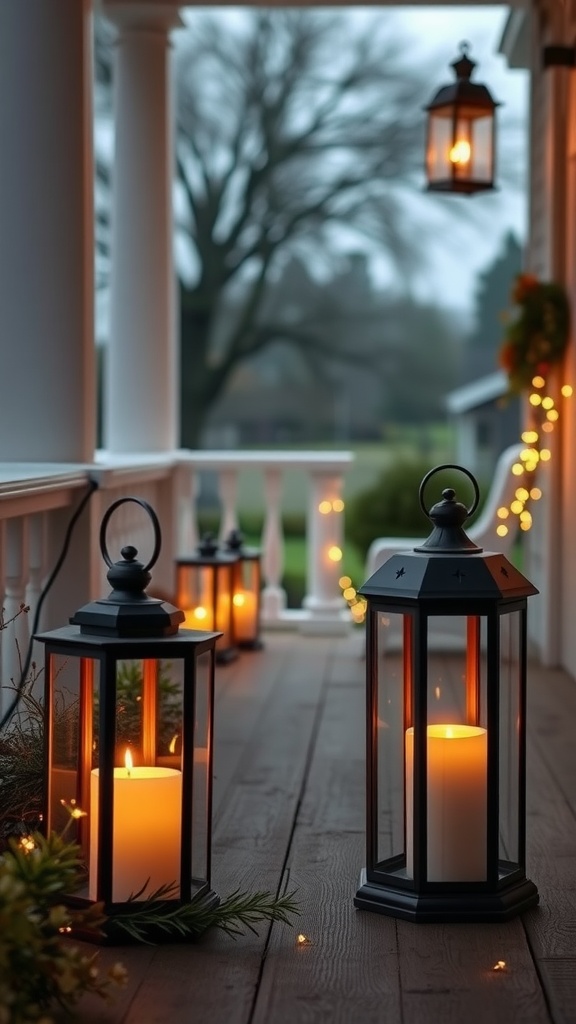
column 205, row 587
column 129, row 707
column 246, row 592
column 460, row 141
column 446, row 737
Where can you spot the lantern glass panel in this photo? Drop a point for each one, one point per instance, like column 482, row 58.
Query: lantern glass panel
column 71, row 730
column 196, row 595
column 457, row 752
column 439, row 144
column 391, row 711
column 510, row 729
column 200, row 838
column 245, row 599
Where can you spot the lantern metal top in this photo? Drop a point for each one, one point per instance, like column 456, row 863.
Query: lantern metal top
column 463, row 92
column 209, row 553
column 128, row 611
column 448, row 565
column 235, row 543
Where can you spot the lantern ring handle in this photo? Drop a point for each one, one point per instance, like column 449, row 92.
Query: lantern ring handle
column 155, row 524
column 450, row 465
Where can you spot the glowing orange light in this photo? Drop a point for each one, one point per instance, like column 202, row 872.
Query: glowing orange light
column 335, row 553
column 325, row 507
column 535, row 399
column 338, row 505
column 200, row 612
column 522, row 494
column 500, row 965
column 172, row 744
column 530, row 436
column 349, row 593
column 516, row 507
column 548, row 427
column 552, row 415
column 566, row 390
column 460, row 152
column 128, row 761
column 517, row 469
column 547, row 402
column 502, row 530
column 535, row 494
column 503, row 512
column 538, row 381
column 545, row 454
column 303, row 940
column 239, row 600
column 437, row 693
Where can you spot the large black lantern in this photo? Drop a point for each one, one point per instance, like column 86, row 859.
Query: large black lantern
column 129, row 706
column 446, row 732
column 205, row 588
column 246, row 592
column 460, row 141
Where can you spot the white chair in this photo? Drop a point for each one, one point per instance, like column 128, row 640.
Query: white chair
column 482, row 532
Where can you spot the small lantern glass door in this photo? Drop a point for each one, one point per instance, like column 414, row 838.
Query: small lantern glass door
column 461, row 134
column 204, row 587
column 246, row 592
column 129, row 705
column 446, row 729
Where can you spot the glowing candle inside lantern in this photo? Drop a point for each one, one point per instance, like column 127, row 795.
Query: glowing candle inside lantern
column 244, row 612
column 457, row 803
column 146, row 830
column 199, row 617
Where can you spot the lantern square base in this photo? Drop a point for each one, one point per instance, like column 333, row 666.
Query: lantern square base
column 447, row 907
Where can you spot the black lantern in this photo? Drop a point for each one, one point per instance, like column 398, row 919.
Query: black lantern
column 246, row 592
column 461, row 134
column 205, row 587
column 446, row 734
column 129, row 706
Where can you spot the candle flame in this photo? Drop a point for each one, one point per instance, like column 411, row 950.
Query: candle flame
column 303, row 940
column 460, row 152
column 173, row 742
column 128, row 760
column 200, row 612
column 500, row 965
column 239, row 600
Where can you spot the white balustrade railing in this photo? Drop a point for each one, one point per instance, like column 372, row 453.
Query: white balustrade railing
column 37, row 503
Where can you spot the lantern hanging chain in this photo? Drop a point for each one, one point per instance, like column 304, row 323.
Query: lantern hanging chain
column 92, row 486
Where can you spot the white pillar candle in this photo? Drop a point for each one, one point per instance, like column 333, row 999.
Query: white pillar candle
column 457, row 803
column 146, row 832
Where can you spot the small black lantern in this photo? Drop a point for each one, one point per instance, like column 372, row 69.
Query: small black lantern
column 129, row 703
column 246, row 592
column 205, row 587
column 460, row 142
column 446, row 737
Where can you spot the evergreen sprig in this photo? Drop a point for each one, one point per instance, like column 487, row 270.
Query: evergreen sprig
column 239, row 911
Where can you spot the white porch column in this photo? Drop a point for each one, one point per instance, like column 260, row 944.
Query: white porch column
column 141, row 410
column 47, row 377
column 327, row 611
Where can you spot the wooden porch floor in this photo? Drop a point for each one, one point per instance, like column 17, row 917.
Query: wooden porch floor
column 289, row 813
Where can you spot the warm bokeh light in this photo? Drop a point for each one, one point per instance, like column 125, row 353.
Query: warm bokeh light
column 535, row 399
column 545, row 454
column 516, row 507
column 566, row 390
column 503, row 512
column 517, row 469
column 325, row 507
column 547, row 403
column 460, row 152
column 535, row 494
column 522, row 494
column 538, row 381
column 530, row 436
column 525, row 517
column 200, row 612
column 338, row 505
column 239, row 600
column 349, row 594
column 335, row 553
column 344, row 582
column 548, row 427
column 552, row 415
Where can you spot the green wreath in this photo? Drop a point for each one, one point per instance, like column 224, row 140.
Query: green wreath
column 536, row 339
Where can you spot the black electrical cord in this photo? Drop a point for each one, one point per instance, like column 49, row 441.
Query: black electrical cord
column 92, row 486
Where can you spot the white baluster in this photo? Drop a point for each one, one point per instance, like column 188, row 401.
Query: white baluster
column 324, row 603
column 273, row 595
column 228, row 491
column 17, row 633
column 36, row 561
